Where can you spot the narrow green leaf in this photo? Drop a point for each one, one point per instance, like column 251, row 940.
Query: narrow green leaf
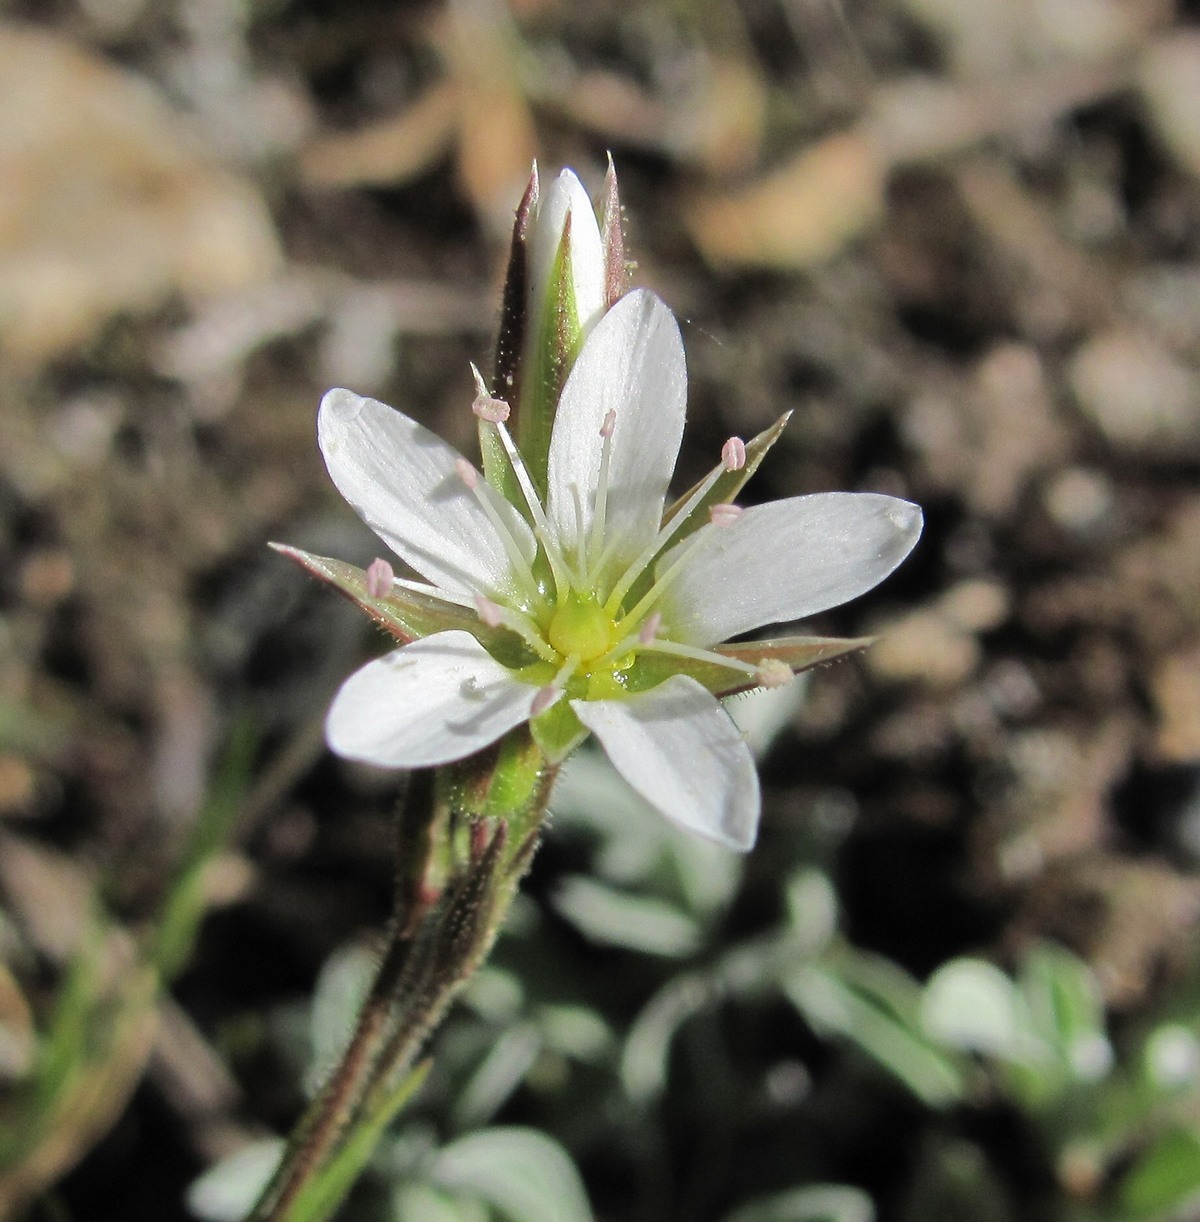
column 491, row 1084
column 644, row 1060
column 833, row 1008
column 228, row 1189
column 521, row 1172
column 186, row 901
column 1165, row 1178
column 617, row 918
column 814, row 1203
column 1066, row 1009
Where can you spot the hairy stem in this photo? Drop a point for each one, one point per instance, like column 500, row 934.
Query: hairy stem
column 464, row 842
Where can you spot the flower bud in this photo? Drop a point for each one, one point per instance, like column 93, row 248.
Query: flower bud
column 566, row 257
column 562, row 279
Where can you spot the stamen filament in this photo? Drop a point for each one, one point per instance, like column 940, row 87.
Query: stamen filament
column 580, row 568
column 600, row 511
column 541, row 526
column 547, row 695
column 661, row 584
column 636, row 643
column 435, row 592
column 516, row 558
column 664, row 536
column 495, row 616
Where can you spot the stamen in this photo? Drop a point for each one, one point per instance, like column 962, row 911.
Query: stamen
column 661, row 582
column 678, row 650
column 467, row 473
column 380, row 576
column 649, row 630
column 733, row 454
column 579, row 573
column 493, row 615
column 516, row 558
column 724, row 515
column 600, row 510
column 486, row 406
column 541, row 527
column 547, row 695
column 489, row 612
column 772, row 672
column 421, row 587
column 494, row 411
column 660, row 541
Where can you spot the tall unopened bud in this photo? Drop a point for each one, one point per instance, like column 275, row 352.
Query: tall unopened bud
column 566, row 286
column 564, row 242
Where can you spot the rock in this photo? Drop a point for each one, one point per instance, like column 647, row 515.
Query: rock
column 802, row 213
column 106, row 203
column 1175, row 685
column 937, row 645
column 1137, row 393
column 1168, row 76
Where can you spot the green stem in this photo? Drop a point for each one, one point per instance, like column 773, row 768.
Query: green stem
column 462, row 851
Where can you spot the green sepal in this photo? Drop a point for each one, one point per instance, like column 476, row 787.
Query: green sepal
column 510, row 348
column 729, row 484
column 799, row 653
column 558, row 731
column 507, row 782
column 552, row 348
column 516, row 779
column 405, row 614
column 612, row 241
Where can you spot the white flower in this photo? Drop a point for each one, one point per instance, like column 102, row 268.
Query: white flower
column 598, row 615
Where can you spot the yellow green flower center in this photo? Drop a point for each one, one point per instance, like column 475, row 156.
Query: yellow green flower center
column 579, row 627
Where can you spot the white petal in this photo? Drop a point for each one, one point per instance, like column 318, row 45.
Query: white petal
column 783, row 561
column 633, row 365
column 679, row 749
column 566, row 197
column 431, row 702
column 401, row 480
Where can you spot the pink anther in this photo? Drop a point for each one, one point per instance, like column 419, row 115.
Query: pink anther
column 774, row 673
column 733, row 454
column 488, row 611
column 610, row 423
column 466, row 473
column 649, row 630
column 380, row 576
column 545, row 697
column 494, row 411
column 724, row 515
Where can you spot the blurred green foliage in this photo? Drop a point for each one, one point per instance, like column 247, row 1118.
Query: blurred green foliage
column 600, row 1062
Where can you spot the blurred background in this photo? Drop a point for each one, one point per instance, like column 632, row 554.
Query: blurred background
column 957, row 979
